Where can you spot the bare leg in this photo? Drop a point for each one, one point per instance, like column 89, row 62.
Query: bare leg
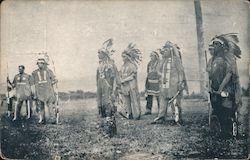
column 41, row 108
column 28, row 108
column 15, row 111
column 18, row 106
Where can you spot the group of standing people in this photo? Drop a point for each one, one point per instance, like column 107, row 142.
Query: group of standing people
column 166, row 81
column 38, row 87
column 111, row 83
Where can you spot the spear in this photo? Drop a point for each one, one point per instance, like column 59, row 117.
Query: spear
column 57, row 96
column 7, row 86
column 208, row 97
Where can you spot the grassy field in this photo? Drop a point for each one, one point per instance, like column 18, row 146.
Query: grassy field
column 79, row 136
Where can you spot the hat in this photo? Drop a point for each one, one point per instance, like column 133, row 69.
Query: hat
column 43, row 58
column 41, row 61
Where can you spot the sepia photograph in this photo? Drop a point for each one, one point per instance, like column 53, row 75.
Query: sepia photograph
column 124, row 79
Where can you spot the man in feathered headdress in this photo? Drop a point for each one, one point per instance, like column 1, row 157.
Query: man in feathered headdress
column 105, row 78
column 225, row 92
column 172, row 82
column 152, row 87
column 43, row 89
column 129, row 87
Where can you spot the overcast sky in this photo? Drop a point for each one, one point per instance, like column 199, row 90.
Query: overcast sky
column 73, row 31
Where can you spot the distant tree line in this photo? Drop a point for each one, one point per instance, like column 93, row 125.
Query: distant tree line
column 76, row 95
column 80, row 94
column 192, row 95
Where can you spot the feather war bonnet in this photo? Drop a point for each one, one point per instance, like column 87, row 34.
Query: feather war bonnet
column 229, row 41
column 133, row 54
column 107, row 48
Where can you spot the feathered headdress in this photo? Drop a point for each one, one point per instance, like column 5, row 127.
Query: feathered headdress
column 107, row 47
column 174, row 47
column 133, row 54
column 156, row 54
column 229, row 41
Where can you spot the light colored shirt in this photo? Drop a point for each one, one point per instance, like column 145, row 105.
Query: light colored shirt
column 43, row 81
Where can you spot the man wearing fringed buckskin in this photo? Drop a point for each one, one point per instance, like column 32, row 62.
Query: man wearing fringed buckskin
column 131, row 57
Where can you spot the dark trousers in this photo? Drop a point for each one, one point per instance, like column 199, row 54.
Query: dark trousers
column 10, row 104
column 224, row 113
column 107, row 110
column 110, row 121
column 225, row 116
column 150, row 102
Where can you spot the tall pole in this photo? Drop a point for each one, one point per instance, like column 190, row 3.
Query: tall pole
column 201, row 48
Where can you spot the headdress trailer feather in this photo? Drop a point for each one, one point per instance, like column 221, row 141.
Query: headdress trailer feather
column 133, row 53
column 107, row 47
column 230, row 41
